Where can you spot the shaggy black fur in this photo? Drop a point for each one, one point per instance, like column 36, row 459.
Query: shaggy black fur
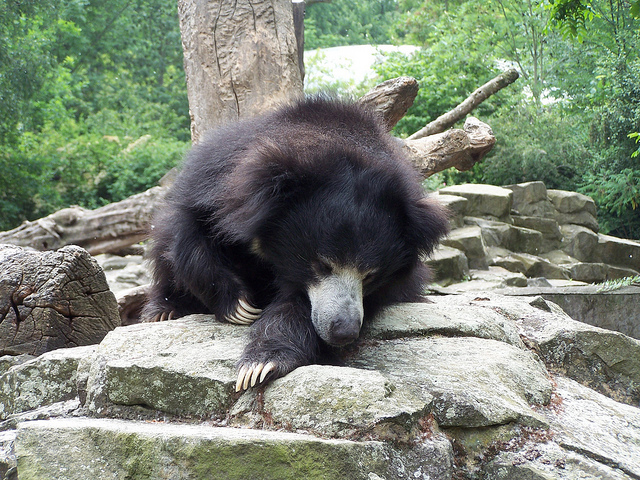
column 261, row 206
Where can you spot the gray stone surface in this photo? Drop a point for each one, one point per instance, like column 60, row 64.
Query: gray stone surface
column 184, row 366
column 604, row 360
column 484, row 200
column 619, row 251
column 527, row 193
column 571, row 202
column 469, row 240
column 468, row 381
column 48, row 379
column 579, row 242
column 81, row 449
column 448, row 264
column 474, row 366
column 456, row 206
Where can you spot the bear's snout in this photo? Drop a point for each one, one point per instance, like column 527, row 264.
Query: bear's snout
column 336, row 306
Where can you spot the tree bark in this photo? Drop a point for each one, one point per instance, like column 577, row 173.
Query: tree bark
column 447, row 120
column 51, row 300
column 240, row 59
column 457, row 148
column 106, row 229
column 392, row 98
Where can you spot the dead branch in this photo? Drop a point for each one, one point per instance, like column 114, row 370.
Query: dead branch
column 454, row 148
column 392, row 98
column 448, row 119
column 106, row 229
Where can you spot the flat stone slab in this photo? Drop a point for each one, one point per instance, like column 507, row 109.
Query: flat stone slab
column 84, row 448
column 184, row 366
column 473, row 382
column 428, row 319
column 483, row 199
column 44, row 380
column 597, row 427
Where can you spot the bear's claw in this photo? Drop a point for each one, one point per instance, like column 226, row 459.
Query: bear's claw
column 256, row 373
column 163, row 316
column 245, row 313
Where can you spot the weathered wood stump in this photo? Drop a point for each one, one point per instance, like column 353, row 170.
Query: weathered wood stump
column 51, row 300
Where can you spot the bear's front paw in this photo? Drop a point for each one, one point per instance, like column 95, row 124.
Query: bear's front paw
column 245, row 313
column 250, row 375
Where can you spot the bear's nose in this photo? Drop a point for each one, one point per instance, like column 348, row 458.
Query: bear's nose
column 344, row 330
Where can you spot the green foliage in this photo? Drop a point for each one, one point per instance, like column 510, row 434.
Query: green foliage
column 548, row 146
column 611, row 285
column 349, row 22
column 80, row 82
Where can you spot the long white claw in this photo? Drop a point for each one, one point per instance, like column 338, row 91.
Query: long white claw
column 241, row 375
column 247, row 377
column 238, row 320
column 246, row 316
column 256, row 373
column 265, row 371
column 248, row 307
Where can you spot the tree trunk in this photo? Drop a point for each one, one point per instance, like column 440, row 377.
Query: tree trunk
column 240, row 59
column 51, row 300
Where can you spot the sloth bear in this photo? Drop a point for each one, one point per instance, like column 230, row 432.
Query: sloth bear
column 301, row 222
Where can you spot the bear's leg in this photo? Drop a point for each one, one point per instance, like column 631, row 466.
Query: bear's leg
column 194, row 274
column 280, row 341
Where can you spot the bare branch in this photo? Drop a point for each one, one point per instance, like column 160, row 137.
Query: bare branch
column 445, row 121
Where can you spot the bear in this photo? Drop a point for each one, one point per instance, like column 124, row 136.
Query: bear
column 303, row 223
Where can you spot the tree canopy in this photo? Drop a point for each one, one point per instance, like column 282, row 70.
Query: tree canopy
column 93, row 103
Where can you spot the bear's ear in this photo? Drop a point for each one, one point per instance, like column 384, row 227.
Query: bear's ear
column 256, row 190
column 428, row 223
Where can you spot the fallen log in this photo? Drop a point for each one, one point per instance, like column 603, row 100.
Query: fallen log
column 103, row 230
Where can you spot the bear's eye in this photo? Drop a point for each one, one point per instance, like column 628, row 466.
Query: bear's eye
column 369, row 276
column 322, row 267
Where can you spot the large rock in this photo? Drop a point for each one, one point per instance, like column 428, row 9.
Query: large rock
column 571, row 202
column 45, row 380
column 448, row 264
column 185, row 367
column 80, row 449
column 619, row 251
column 531, row 199
column 500, row 234
column 484, row 200
column 469, row 240
column 604, row 360
column 457, row 207
column 574, row 208
column 342, row 401
column 527, row 193
column 465, row 381
column 475, row 367
column 579, row 242
column 593, row 437
column 549, row 228
column 51, row 300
